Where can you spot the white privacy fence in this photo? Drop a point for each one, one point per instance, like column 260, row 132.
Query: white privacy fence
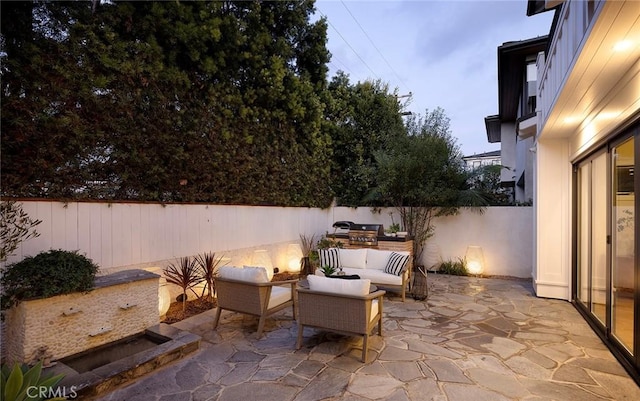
column 127, row 235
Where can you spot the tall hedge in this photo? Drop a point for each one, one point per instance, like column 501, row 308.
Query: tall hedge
column 165, row 101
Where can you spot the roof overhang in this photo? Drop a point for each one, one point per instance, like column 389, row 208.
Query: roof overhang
column 539, row 6
column 511, row 64
column 601, row 91
column 493, row 126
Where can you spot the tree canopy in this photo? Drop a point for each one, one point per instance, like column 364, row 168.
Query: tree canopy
column 422, row 175
column 169, row 101
column 221, row 101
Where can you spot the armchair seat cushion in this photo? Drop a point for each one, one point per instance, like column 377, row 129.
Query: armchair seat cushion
column 279, row 295
column 346, row 287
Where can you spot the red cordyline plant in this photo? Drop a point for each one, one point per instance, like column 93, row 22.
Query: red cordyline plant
column 208, row 265
column 185, row 274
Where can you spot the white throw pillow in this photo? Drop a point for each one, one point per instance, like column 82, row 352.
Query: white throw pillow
column 339, row 286
column 356, row 258
column 249, row 274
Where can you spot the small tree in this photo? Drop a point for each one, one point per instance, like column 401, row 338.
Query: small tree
column 184, row 273
column 208, row 265
column 15, row 226
column 422, row 175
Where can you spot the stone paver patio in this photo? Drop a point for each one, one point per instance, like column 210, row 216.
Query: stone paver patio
column 472, row 339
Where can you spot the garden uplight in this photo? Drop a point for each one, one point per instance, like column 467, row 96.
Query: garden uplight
column 294, row 255
column 475, row 259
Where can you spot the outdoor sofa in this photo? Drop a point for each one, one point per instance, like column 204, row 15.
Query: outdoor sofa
column 387, row 269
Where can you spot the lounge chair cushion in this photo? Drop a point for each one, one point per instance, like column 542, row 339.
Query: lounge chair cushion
column 279, row 295
column 268, row 270
column 248, row 274
column 355, row 258
column 346, row 287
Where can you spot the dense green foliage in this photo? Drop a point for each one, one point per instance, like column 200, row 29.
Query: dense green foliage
column 363, row 118
column 422, row 175
column 222, row 102
column 169, row 101
column 55, row 272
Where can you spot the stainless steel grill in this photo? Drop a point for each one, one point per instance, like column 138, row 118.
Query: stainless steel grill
column 365, row 234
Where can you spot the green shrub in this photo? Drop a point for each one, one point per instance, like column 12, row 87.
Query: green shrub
column 18, row 383
column 47, row 274
column 454, row 268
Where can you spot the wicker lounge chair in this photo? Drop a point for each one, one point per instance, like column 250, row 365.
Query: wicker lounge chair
column 260, row 299
column 340, row 313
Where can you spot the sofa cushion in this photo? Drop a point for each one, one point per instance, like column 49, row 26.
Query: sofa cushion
column 248, row 274
column 377, row 259
column 396, row 263
column 356, row 258
column 346, row 287
column 329, row 257
column 377, row 277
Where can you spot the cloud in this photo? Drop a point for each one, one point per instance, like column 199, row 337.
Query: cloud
column 453, row 27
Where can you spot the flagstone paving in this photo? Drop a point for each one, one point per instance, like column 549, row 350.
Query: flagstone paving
column 472, row 339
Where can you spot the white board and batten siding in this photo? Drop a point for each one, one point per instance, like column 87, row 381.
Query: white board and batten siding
column 128, row 235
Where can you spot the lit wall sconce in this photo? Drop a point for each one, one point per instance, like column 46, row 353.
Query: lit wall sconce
column 294, row 256
column 475, row 260
column 262, row 258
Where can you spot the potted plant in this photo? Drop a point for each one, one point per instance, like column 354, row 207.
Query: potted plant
column 307, row 249
column 328, row 270
column 392, row 230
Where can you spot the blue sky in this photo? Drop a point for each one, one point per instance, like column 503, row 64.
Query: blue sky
column 443, row 52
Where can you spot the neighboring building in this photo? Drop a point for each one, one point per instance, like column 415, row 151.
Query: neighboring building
column 482, row 159
column 514, row 125
column 585, row 147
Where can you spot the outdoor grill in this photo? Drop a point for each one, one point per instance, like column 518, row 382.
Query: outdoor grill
column 365, row 234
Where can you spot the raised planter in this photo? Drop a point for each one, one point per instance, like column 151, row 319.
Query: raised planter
column 120, row 305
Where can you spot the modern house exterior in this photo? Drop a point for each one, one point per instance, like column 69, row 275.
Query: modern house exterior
column 583, row 139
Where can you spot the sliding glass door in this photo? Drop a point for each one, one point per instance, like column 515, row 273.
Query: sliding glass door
column 592, row 235
column 606, row 271
column 623, row 269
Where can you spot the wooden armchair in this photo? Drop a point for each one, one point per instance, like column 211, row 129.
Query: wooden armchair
column 260, row 299
column 340, row 313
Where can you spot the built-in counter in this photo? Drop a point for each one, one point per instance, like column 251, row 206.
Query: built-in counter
column 385, row 243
